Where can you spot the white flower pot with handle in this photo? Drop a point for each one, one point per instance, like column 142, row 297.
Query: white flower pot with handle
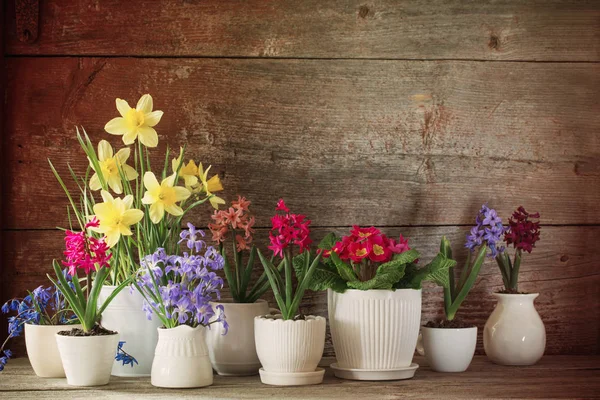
column 448, row 349
column 87, row 360
column 42, row 349
column 514, row 334
column 125, row 315
column 181, row 359
column 374, row 330
column 235, row 353
column 289, row 350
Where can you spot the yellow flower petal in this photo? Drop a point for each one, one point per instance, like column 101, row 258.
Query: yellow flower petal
column 106, row 197
column 174, row 209
column 124, row 230
column 95, row 182
column 150, row 181
column 128, row 202
column 214, row 184
column 114, row 182
column 149, row 198
column 157, row 212
column 215, row 201
column 112, row 237
column 116, row 126
column 181, row 193
column 132, row 217
column 102, row 209
column 144, row 104
column 122, row 107
column 147, row 136
column 123, row 154
column 130, row 136
column 153, row 118
column 129, row 172
column 190, row 180
column 168, row 181
column 105, row 150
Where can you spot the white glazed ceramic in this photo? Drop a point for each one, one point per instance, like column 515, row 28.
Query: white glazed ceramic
column 375, row 375
column 125, row 315
column 181, row 358
column 42, row 349
column 235, row 352
column 289, row 346
column 448, row 349
column 292, row 378
column 514, row 334
column 87, row 359
column 374, row 329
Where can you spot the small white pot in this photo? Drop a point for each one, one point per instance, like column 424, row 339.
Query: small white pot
column 181, row 358
column 289, row 346
column 87, row 359
column 448, row 349
column 374, row 329
column 42, row 349
column 125, row 315
column 514, row 334
column 235, row 353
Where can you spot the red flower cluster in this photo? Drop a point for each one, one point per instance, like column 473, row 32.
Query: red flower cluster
column 369, row 243
column 85, row 252
column 288, row 229
column 237, row 217
column 523, row 233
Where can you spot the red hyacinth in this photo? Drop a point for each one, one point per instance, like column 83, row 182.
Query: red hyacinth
column 522, row 233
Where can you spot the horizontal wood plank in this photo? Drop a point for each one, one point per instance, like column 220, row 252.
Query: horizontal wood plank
column 366, row 142
column 554, row 377
column 554, row 30
column 563, row 269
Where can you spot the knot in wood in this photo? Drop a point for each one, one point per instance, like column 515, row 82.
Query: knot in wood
column 363, row 11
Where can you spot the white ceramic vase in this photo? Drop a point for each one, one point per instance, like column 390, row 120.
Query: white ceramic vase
column 181, row 358
column 87, row 360
column 235, row 353
column 125, row 315
column 42, row 349
column 374, row 329
column 514, row 334
column 448, row 349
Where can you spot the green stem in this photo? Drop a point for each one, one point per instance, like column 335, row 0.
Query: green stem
column 288, row 279
column 514, row 277
column 468, row 283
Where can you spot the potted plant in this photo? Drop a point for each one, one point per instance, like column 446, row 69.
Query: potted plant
column 87, row 353
column 40, row 314
column 110, row 173
column 374, row 297
column 514, row 334
column 178, row 290
column 449, row 345
column 235, row 353
column 290, row 345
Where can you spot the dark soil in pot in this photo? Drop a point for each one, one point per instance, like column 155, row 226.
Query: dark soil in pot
column 444, row 324
column 96, row 331
column 299, row 317
column 510, row 291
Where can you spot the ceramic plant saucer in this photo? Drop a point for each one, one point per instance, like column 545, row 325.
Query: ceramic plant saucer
column 375, row 375
column 292, row 378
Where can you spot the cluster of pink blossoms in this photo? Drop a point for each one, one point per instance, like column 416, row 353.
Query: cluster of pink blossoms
column 288, row 229
column 368, row 243
column 236, row 218
column 85, row 252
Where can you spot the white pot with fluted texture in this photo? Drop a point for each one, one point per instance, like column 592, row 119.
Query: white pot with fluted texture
column 235, row 352
column 181, row 358
column 42, row 349
column 87, row 359
column 125, row 315
column 374, row 329
column 448, row 349
column 514, row 334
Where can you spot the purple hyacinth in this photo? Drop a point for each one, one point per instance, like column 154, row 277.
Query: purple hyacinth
column 488, row 230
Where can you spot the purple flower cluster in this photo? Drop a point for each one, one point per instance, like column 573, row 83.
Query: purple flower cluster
column 179, row 289
column 488, row 230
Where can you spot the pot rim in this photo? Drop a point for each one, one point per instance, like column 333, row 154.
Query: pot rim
column 448, row 329
column 53, row 326
column 310, row 318
column 375, row 290
column 163, row 329
column 522, row 295
column 230, row 303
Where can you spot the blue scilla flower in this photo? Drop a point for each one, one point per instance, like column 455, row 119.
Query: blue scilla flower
column 123, row 356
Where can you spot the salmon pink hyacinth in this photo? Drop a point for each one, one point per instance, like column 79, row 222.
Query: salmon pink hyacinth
column 236, row 219
column 288, row 229
column 85, row 252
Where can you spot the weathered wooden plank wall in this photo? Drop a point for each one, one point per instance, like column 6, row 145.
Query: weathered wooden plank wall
column 405, row 115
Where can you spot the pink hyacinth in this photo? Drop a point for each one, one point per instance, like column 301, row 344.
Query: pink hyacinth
column 85, row 252
column 289, row 229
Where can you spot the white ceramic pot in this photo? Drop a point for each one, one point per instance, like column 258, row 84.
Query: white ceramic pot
column 181, row 358
column 42, row 349
column 289, row 346
column 235, row 352
column 374, row 329
column 125, row 315
column 87, row 359
column 514, row 334
column 448, row 349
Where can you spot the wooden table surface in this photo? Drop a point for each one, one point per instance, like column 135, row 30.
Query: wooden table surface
column 553, row 377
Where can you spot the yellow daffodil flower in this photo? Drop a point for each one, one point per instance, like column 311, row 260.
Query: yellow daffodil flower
column 163, row 197
column 109, row 168
column 136, row 122
column 189, row 172
column 211, row 185
column 116, row 216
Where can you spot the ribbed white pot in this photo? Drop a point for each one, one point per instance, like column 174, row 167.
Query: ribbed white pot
column 289, row 346
column 125, row 315
column 235, row 352
column 448, row 349
column 374, row 329
column 514, row 334
column 181, row 358
column 87, row 359
column 42, row 349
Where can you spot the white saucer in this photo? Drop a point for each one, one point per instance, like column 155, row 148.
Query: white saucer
column 292, row 378
column 374, row 374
